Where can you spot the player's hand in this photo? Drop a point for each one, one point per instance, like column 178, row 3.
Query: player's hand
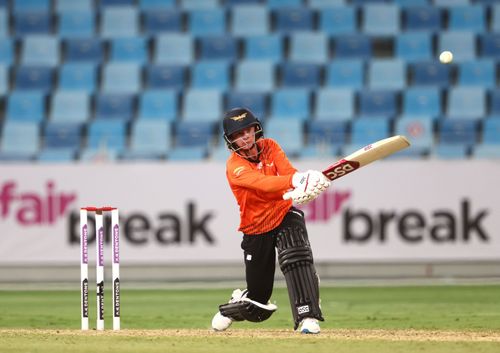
column 299, row 197
column 310, row 182
column 307, row 186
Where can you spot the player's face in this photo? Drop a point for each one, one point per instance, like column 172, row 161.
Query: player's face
column 244, row 139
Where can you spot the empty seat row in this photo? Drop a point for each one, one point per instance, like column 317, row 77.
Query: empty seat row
column 183, row 49
column 377, row 19
column 288, row 104
column 248, row 76
column 155, row 139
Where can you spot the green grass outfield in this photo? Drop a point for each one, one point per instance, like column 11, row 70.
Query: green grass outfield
column 447, row 318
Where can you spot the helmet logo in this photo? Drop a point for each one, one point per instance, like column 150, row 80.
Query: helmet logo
column 239, row 117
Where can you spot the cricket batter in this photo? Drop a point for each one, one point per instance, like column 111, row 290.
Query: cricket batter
column 265, row 184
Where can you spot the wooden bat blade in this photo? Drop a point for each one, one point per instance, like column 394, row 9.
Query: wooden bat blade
column 366, row 155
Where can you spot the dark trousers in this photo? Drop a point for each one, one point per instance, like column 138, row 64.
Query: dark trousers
column 260, row 259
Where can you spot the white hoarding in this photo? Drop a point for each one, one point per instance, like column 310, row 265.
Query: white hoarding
column 185, row 212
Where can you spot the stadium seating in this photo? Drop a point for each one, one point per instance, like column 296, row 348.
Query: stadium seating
column 116, row 77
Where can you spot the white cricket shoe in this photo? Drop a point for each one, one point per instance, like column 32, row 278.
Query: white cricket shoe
column 309, row 325
column 221, row 322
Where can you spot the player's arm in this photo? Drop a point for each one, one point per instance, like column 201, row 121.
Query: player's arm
column 244, row 176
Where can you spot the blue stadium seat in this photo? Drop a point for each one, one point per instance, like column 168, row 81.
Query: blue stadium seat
column 414, row 46
column 112, row 3
column 62, row 6
column 158, row 105
column 241, row 2
column 366, row 131
column 4, row 24
column 309, row 47
column 326, row 4
column 337, row 21
column 26, row 23
column 62, row 135
column 218, row 48
column 76, row 24
column 410, row 3
column 40, row 50
column 202, row 105
column 166, row 77
column 56, row 155
column 107, row 134
column 207, row 22
column 419, row 132
column 254, row 76
column 422, row 18
column 256, row 102
column 457, row 131
column 422, row 102
column 486, row 151
column 30, row 5
column 495, row 18
column 114, row 107
column 381, row 19
column 489, row 44
column 121, row 78
column 198, row 4
column 467, row 18
column 84, row 50
column 307, row 75
column 77, row 77
column 219, row 153
column 243, row 15
column 450, row 151
column 430, row 74
column 164, row 20
column 21, row 138
column 276, row 4
column 466, row 102
column 70, row 106
column 120, row 21
column 156, row 5
column 6, row 51
column 211, row 74
column 491, row 132
column 345, row 73
column 288, row 133
column 129, row 50
column 387, row 74
column 25, row 106
column 494, row 103
column 38, row 78
column 353, row 46
column 188, row 154
column 451, row 3
column 480, row 73
column 194, row 133
column 290, row 104
column 290, row 19
column 174, row 48
column 266, row 47
column 461, row 44
column 150, row 136
column 334, row 104
column 378, row 103
column 4, row 79
column 330, row 133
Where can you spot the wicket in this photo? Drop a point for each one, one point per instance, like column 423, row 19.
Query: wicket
column 84, row 273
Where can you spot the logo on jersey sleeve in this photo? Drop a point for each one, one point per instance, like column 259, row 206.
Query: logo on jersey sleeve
column 238, row 170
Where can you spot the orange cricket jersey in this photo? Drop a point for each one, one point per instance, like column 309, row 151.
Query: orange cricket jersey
column 259, row 187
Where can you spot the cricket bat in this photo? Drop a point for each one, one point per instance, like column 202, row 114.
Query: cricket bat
column 366, row 155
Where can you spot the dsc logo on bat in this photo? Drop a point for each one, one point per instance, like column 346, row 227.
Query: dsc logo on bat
column 340, row 168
